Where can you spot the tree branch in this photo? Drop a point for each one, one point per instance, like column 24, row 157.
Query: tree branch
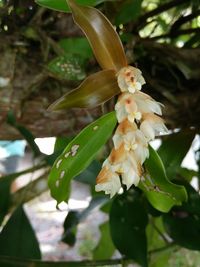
column 161, row 8
column 183, row 19
column 16, row 262
column 176, row 34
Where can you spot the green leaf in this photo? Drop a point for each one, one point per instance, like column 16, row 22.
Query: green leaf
column 5, row 197
column 173, row 149
column 162, row 258
column 88, row 176
column 70, row 228
column 187, row 174
column 102, row 36
column 128, row 220
column 79, row 154
column 60, row 144
column 155, row 241
column 28, row 136
column 18, row 239
column 68, row 67
column 161, row 193
column 105, row 248
column 129, row 12
column 61, row 5
column 74, row 218
column 93, row 91
column 183, row 223
column 77, row 46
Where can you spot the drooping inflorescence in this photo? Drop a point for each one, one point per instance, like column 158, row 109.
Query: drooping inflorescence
column 139, row 121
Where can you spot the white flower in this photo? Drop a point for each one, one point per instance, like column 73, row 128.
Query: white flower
column 146, row 104
column 130, row 174
column 126, row 107
column 108, row 181
column 137, row 126
column 125, row 133
column 152, row 125
column 130, row 79
column 141, row 152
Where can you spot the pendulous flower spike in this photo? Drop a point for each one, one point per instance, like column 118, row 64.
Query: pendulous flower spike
column 138, row 124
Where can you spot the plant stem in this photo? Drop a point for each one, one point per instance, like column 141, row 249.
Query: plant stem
column 13, row 176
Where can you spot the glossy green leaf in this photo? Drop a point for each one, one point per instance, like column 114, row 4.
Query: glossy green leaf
column 78, row 154
column 103, row 38
column 128, row 220
column 129, row 12
column 105, row 248
column 95, row 90
column 161, row 193
column 61, row 5
column 77, row 46
column 18, row 239
column 183, row 223
column 68, row 67
column 173, row 149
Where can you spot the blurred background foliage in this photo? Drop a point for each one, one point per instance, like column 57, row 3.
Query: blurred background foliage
column 44, row 55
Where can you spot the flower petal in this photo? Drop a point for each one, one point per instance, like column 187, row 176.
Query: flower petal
column 108, row 181
column 93, row 91
column 103, row 38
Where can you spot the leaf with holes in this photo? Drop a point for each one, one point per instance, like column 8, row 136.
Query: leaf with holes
column 161, row 193
column 68, row 67
column 78, row 154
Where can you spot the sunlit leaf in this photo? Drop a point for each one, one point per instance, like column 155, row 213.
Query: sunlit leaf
column 105, row 247
column 18, row 239
column 78, row 154
column 69, row 67
column 128, row 220
column 102, row 36
column 93, row 91
column 161, row 193
column 61, row 5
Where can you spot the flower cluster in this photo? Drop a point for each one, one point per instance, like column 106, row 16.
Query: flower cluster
column 138, row 123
